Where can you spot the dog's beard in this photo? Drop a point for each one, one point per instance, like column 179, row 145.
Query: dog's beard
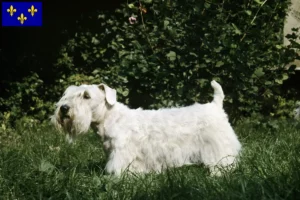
column 68, row 128
column 77, row 121
column 72, row 125
column 66, row 123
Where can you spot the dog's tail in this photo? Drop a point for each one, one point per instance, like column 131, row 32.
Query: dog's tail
column 218, row 93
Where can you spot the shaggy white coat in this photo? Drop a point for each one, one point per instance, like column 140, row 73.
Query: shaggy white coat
column 151, row 140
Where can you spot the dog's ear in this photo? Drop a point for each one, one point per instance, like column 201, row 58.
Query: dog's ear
column 110, row 94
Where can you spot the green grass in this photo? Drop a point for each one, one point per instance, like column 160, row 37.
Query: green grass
column 37, row 163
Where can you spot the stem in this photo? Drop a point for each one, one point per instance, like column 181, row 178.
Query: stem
column 258, row 11
column 148, row 39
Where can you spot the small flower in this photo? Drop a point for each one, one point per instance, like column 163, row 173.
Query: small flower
column 132, row 20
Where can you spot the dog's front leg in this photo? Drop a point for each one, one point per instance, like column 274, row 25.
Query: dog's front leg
column 120, row 158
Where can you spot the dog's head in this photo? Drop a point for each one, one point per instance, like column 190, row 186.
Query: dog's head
column 82, row 105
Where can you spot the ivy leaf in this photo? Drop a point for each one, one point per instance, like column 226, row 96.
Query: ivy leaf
column 255, row 89
column 248, row 12
column 279, row 81
column 218, row 49
column 171, row 56
column 295, row 44
column 102, row 51
column 259, row 2
column 100, row 17
column 166, row 23
column 259, row 72
column 136, row 44
column 236, row 30
column 268, row 83
column 125, row 93
column 95, row 41
column 202, row 65
column 219, row 64
column 131, row 5
column 285, row 76
column 193, row 54
column 147, row 1
column 84, row 56
column 206, row 5
column 122, row 53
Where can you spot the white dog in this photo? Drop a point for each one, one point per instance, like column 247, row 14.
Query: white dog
column 150, row 140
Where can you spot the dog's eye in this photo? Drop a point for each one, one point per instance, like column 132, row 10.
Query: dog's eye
column 86, row 95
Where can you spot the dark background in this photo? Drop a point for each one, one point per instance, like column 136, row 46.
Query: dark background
column 25, row 49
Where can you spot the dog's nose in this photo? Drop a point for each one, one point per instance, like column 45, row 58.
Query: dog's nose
column 64, row 109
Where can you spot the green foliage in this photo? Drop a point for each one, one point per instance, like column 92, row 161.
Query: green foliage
column 25, row 98
column 168, row 56
column 37, row 163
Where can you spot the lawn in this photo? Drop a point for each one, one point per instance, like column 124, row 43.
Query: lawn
column 37, row 163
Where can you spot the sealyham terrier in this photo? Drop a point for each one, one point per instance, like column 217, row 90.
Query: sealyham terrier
column 150, row 140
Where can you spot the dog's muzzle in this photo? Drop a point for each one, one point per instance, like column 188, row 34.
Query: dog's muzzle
column 64, row 112
column 65, row 117
column 64, row 109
